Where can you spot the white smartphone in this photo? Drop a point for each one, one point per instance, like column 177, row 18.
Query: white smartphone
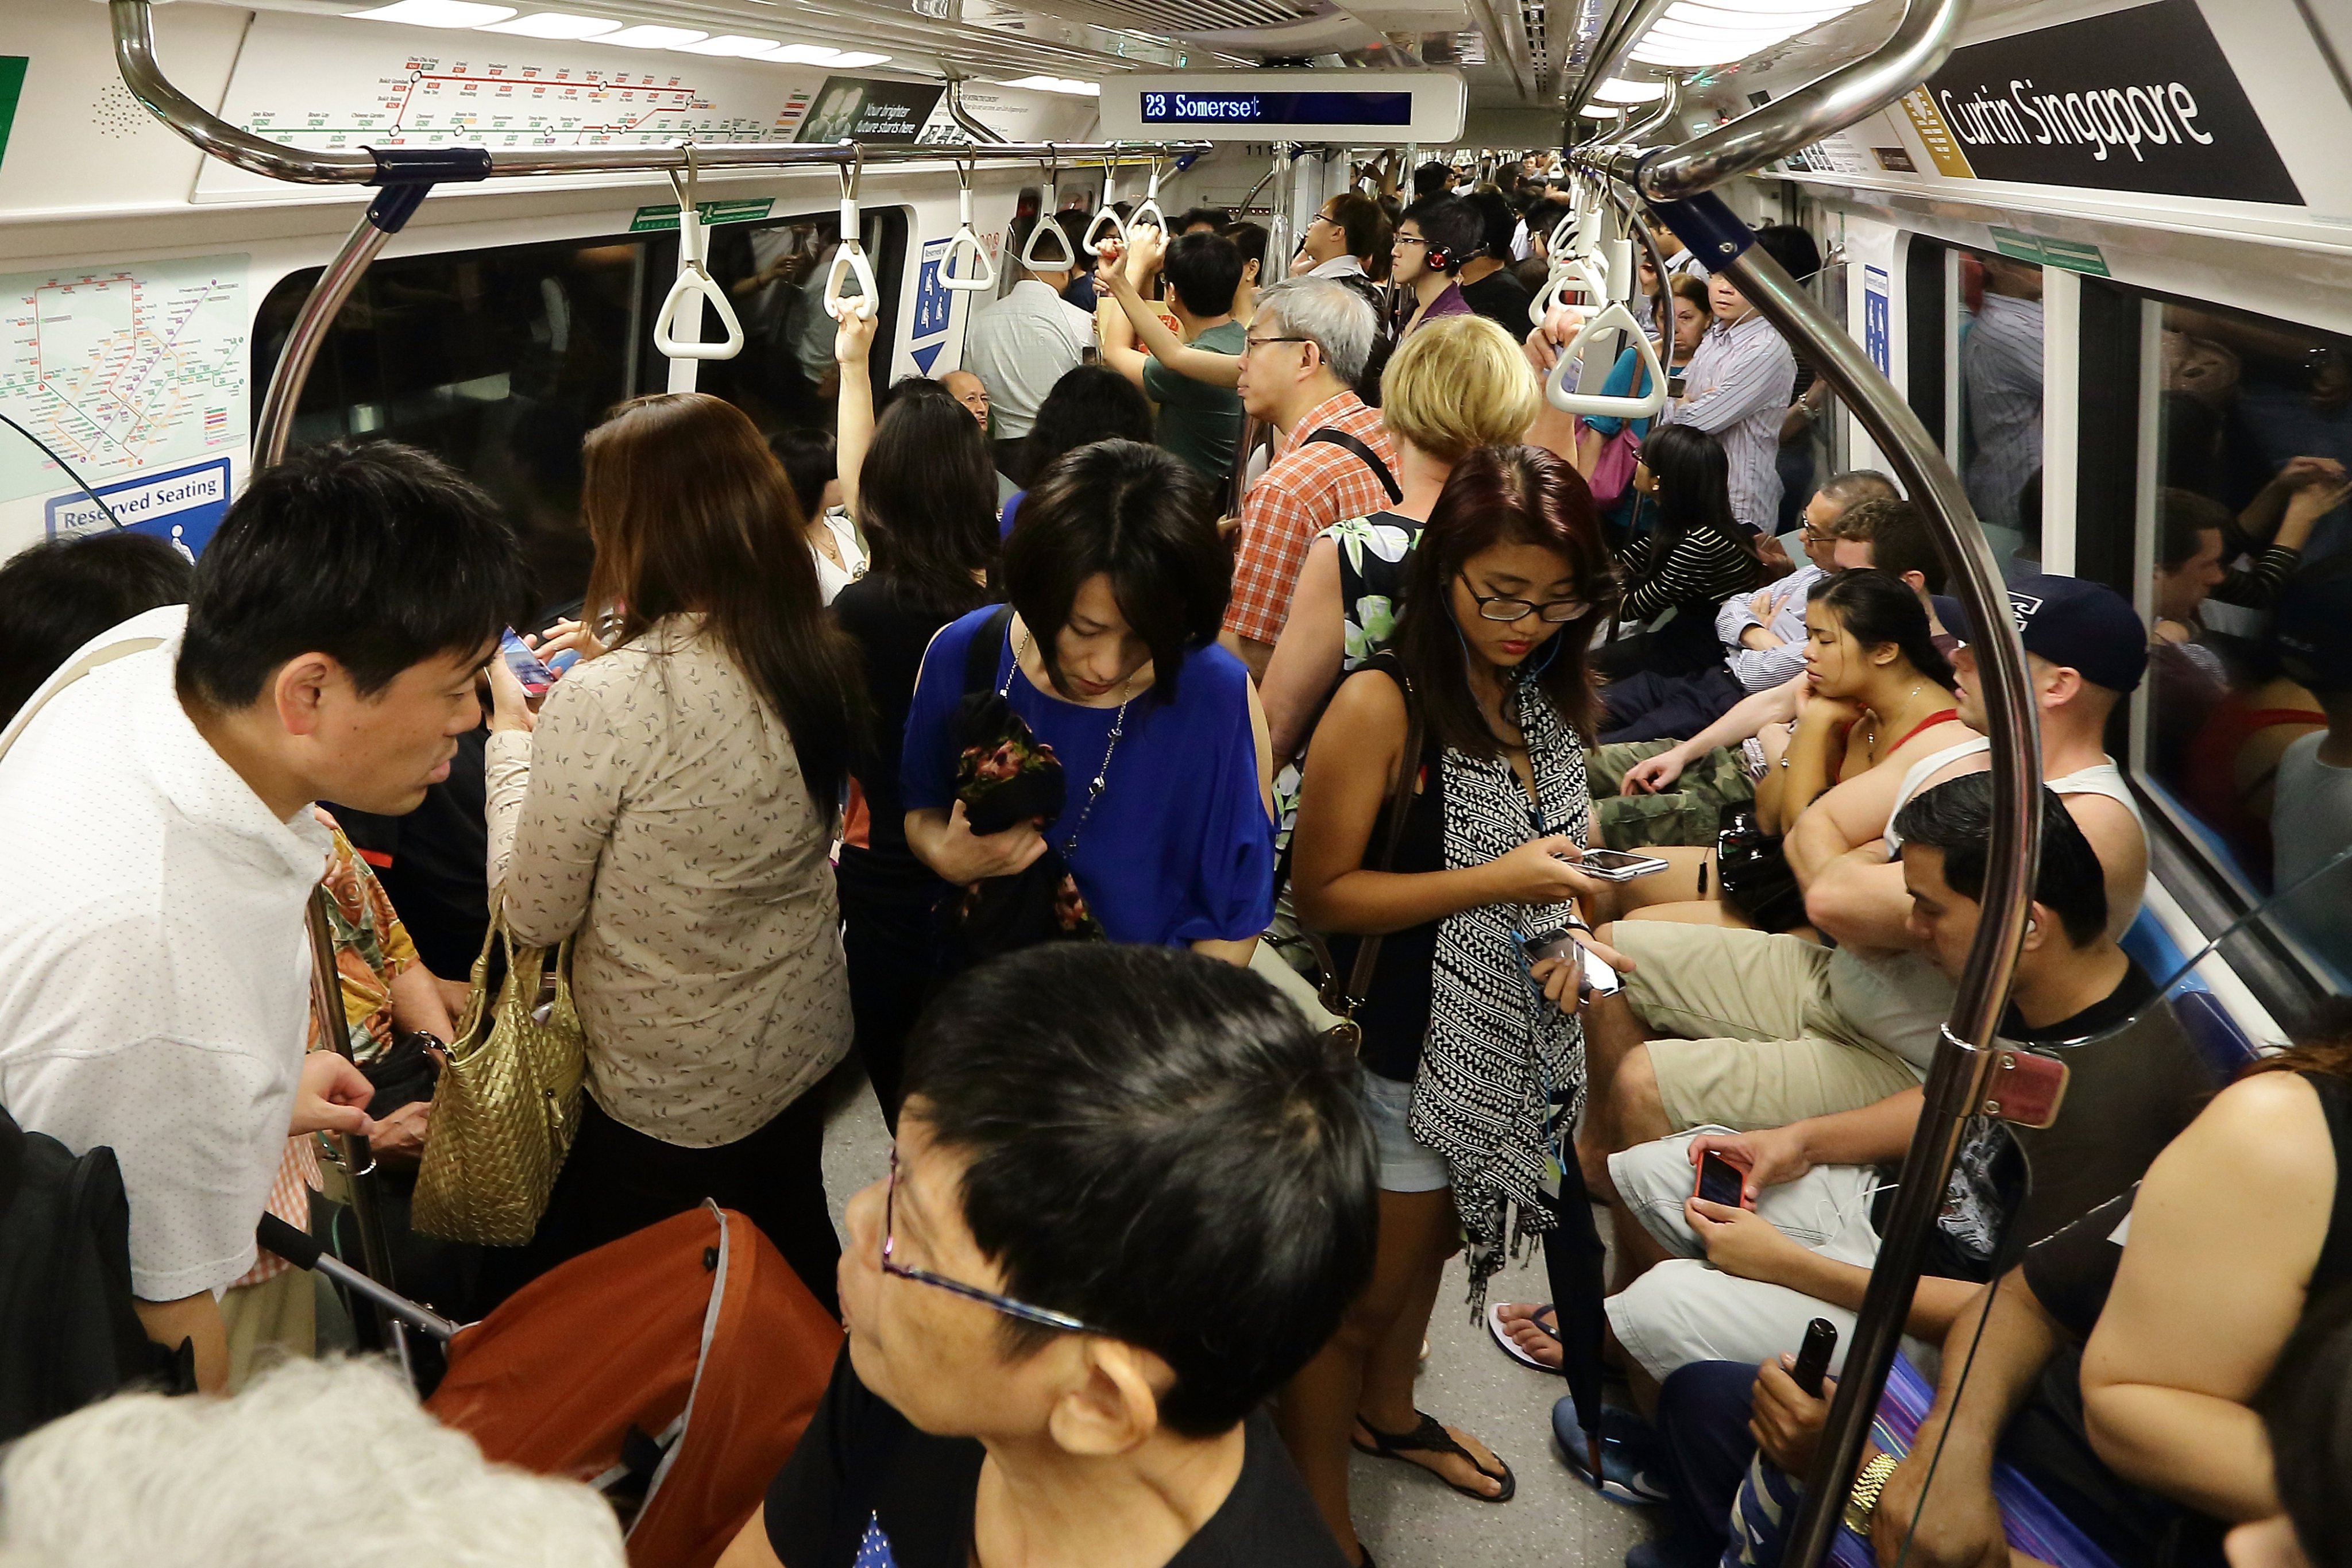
column 1617, row 865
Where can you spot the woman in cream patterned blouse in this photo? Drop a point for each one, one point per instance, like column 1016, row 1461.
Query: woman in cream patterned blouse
column 673, row 803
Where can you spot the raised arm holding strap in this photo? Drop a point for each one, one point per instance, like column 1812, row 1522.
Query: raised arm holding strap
column 1613, row 317
column 1108, row 213
column 849, row 257
column 1148, row 209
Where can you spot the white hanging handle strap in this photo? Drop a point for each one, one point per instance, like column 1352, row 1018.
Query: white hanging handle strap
column 1062, row 257
column 694, row 283
column 1575, row 272
column 1612, row 317
column 978, row 270
column 1109, row 215
column 1148, row 209
column 849, row 257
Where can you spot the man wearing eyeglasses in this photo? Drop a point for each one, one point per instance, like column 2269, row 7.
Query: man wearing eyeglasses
column 1082, row 1277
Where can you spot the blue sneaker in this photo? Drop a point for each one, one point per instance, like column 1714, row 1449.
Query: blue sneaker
column 1632, row 1455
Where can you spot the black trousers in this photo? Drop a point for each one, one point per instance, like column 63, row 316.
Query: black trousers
column 890, row 939
column 1646, row 705
column 618, row 1181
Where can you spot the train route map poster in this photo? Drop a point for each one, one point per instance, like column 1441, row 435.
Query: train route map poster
column 127, row 372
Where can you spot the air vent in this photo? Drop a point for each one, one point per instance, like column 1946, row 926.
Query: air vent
column 1534, row 18
column 116, row 114
column 1191, row 16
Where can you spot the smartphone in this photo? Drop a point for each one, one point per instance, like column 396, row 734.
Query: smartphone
column 536, row 678
column 1675, row 386
column 2025, row 1089
column 1720, row 1180
column 1553, row 944
column 1617, row 865
column 1599, row 978
column 1814, row 1356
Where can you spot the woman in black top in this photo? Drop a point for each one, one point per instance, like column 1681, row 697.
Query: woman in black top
column 1697, row 557
column 1474, row 1069
column 922, row 486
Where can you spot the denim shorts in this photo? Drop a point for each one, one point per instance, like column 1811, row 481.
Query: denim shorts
column 1407, row 1164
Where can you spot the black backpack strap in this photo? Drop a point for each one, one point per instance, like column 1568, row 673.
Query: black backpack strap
column 980, row 659
column 1365, row 455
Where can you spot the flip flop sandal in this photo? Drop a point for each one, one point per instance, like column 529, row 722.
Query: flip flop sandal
column 1547, row 1320
column 1431, row 1437
column 1633, row 1457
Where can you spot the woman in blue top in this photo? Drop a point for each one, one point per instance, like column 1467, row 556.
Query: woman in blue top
column 1691, row 317
column 1117, row 582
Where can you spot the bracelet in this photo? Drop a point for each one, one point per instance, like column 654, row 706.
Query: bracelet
column 1867, row 1486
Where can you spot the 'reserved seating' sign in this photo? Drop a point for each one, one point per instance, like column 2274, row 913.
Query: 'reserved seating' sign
column 2142, row 99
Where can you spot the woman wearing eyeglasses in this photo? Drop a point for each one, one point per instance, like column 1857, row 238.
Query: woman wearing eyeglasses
column 1474, row 1059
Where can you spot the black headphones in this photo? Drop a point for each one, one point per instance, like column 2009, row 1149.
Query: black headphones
column 1440, row 259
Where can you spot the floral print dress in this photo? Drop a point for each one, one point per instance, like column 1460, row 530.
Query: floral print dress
column 1374, row 553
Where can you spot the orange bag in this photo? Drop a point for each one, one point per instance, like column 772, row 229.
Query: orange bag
column 695, row 1331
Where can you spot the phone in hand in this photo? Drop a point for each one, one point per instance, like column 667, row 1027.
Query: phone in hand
column 536, row 678
column 1617, row 865
column 1599, row 978
column 1721, row 1182
column 1813, row 1357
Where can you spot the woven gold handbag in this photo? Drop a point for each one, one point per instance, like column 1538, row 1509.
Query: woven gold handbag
column 507, row 1104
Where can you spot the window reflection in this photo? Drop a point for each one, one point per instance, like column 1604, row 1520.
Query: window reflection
column 2001, row 398
column 2249, row 713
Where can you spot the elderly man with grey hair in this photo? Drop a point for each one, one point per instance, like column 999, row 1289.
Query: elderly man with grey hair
column 1306, row 347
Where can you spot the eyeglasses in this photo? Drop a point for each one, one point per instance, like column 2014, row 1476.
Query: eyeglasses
column 1323, row 218
column 1812, row 535
column 1249, row 343
column 1044, row 1317
column 1553, row 611
column 1411, row 239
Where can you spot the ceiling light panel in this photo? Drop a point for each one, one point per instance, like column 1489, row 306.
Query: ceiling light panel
column 559, row 24
column 1616, row 89
column 651, row 37
column 1059, row 84
column 438, row 13
column 734, row 45
column 857, row 60
column 805, row 55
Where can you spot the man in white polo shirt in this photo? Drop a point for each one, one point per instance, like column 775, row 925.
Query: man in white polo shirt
column 161, row 845
column 1023, row 344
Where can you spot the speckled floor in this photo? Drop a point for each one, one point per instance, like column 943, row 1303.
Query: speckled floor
column 1408, row 1518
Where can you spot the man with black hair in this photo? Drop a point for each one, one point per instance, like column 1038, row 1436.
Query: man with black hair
column 1486, row 278
column 1431, row 178
column 161, row 847
column 60, row 592
column 1737, row 388
column 1084, row 1275
column 1201, row 220
column 1433, row 239
column 1200, row 421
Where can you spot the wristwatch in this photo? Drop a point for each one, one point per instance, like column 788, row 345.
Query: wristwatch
column 1866, row 1487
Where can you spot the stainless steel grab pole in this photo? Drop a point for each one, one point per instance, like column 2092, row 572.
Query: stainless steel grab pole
column 135, row 55
column 1609, row 50
column 309, row 330
column 1669, row 105
column 965, row 117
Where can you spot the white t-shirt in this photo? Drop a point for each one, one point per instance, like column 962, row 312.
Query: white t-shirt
column 831, row 579
column 153, row 968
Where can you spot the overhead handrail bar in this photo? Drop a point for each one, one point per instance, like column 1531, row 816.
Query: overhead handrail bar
column 1823, row 107
column 849, row 257
column 980, row 269
column 1669, row 105
column 1049, row 201
column 134, row 53
column 1149, row 205
column 971, row 124
column 677, row 326
column 1108, row 213
column 1612, row 317
column 1611, row 48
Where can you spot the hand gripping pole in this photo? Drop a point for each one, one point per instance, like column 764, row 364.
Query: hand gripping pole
column 1148, row 209
column 677, row 327
column 849, row 257
column 1613, row 318
column 1062, row 257
column 1109, row 215
column 978, row 271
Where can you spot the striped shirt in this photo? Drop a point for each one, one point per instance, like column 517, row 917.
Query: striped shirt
column 1761, row 668
column 2002, row 371
column 1738, row 390
column 1703, row 569
column 1309, row 487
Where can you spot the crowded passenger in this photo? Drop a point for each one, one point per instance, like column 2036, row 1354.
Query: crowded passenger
column 1696, row 555
column 336, row 624
column 1609, row 447
column 58, row 594
column 1434, row 238
column 1486, row 279
column 1737, row 389
column 1200, row 421
column 1093, row 403
column 688, row 862
column 1021, row 346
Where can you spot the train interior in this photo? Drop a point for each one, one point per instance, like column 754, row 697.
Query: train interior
column 2102, row 252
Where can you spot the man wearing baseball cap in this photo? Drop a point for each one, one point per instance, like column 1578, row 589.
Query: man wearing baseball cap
column 2311, row 815
column 2084, row 650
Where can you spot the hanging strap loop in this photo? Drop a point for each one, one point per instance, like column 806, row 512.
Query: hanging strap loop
column 1148, row 209
column 978, row 271
column 1063, row 259
column 1612, row 317
column 849, row 257
column 1109, row 214
column 694, row 283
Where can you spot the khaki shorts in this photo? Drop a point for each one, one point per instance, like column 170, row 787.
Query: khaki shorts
column 1759, row 1045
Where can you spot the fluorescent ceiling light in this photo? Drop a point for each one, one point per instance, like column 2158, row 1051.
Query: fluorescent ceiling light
column 733, row 44
column 1711, row 17
column 1671, row 31
column 1594, row 112
column 1059, row 84
column 438, row 13
column 1616, row 89
column 553, row 24
column 651, row 38
column 1761, row 10
column 1657, row 51
column 858, row 59
column 805, row 55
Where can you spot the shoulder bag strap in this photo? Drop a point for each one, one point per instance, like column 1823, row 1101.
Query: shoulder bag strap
column 980, row 659
column 1368, row 951
column 1364, row 454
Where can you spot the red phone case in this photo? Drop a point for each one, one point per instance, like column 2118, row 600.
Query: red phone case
column 1698, row 1173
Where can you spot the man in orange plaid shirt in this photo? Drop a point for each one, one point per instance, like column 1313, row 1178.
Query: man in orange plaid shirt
column 1306, row 347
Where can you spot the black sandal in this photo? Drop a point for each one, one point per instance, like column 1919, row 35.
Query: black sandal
column 1430, row 1437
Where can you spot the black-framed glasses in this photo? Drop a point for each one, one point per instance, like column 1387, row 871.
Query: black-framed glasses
column 1249, row 343
column 1044, row 1317
column 1410, row 239
column 1554, row 611
column 1812, row 535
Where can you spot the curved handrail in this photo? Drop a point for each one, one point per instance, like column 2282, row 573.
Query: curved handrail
column 135, row 56
column 849, row 257
column 1613, row 317
column 980, row 270
column 1049, row 199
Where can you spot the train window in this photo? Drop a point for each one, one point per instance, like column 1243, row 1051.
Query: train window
column 1998, row 388
column 2242, row 733
column 500, row 359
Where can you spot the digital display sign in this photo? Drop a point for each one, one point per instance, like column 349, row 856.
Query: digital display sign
column 1278, row 108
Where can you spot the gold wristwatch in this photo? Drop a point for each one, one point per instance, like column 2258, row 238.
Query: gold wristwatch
column 1866, row 1487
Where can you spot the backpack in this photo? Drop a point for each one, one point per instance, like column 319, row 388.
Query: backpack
column 68, row 1334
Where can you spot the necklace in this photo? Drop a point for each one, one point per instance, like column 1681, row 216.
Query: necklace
column 1905, row 706
column 1110, row 748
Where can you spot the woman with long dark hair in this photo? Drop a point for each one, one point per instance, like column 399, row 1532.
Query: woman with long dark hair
column 1093, row 403
column 1473, row 1057
column 1695, row 556
column 925, row 491
column 672, row 805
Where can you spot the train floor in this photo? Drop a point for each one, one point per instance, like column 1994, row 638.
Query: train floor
column 1406, row 1517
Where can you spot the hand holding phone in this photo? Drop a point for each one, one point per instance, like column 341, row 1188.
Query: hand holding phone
column 536, row 678
column 1617, row 865
column 1721, row 1182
